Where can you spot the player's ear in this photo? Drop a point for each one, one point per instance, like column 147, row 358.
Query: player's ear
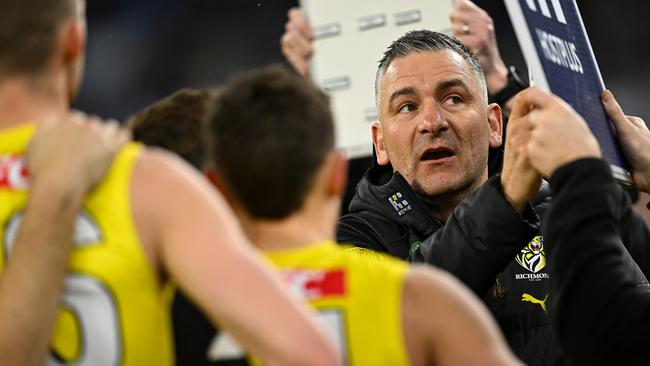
column 215, row 179
column 337, row 173
column 73, row 40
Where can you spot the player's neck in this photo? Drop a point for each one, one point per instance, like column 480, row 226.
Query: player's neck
column 25, row 100
column 303, row 228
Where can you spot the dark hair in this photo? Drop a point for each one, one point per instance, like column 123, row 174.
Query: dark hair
column 269, row 134
column 421, row 41
column 176, row 123
column 28, row 32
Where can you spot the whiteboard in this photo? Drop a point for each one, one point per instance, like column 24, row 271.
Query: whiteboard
column 350, row 38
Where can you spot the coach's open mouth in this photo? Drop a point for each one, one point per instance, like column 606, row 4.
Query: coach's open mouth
column 436, row 154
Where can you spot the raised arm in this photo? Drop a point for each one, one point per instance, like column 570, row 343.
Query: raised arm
column 599, row 313
column 596, row 308
column 560, row 135
column 474, row 27
column 65, row 161
column 199, row 243
column 297, row 42
column 634, row 137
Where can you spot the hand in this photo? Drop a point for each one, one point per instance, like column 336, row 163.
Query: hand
column 74, row 153
column 519, row 179
column 558, row 134
column 634, row 137
column 475, row 29
column 297, row 41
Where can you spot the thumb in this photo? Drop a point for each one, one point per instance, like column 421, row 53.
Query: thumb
column 520, row 107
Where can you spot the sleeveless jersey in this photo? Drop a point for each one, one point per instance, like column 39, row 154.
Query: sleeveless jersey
column 358, row 297
column 113, row 310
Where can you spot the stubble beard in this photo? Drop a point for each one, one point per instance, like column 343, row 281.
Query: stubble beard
column 443, row 200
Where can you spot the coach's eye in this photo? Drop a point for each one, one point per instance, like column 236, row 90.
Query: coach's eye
column 455, row 99
column 406, row 108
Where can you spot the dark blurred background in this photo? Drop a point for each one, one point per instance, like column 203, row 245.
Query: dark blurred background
column 142, row 50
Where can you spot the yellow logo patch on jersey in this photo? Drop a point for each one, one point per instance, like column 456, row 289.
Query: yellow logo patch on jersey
column 532, row 257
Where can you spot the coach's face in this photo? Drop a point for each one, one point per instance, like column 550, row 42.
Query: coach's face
column 436, row 127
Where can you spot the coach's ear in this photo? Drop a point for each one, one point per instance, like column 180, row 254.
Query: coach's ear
column 495, row 121
column 378, row 142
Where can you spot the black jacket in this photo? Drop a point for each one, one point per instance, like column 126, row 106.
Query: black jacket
column 601, row 314
column 477, row 244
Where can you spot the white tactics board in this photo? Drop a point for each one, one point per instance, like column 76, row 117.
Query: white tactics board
column 350, row 38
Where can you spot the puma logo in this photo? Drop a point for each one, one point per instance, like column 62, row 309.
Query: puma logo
column 531, row 298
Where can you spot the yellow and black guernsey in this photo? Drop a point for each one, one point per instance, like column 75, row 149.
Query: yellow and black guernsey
column 113, row 311
column 357, row 296
column 356, row 293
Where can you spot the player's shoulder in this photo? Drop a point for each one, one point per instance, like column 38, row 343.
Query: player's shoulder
column 156, row 161
column 426, row 287
column 159, row 169
column 161, row 181
column 370, row 262
column 424, row 277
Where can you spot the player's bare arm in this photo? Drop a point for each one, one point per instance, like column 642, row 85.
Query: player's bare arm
column 443, row 320
column 201, row 246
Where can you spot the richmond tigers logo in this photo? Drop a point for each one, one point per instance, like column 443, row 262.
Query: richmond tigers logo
column 532, row 257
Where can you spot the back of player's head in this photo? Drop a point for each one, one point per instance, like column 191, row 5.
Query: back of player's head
column 177, row 123
column 29, row 30
column 270, row 132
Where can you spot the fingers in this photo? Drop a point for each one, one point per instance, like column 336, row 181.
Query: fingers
column 90, row 127
column 298, row 60
column 519, row 108
column 464, row 11
column 294, row 44
column 459, row 18
column 298, row 26
column 80, row 146
column 107, row 133
column 297, row 41
column 615, row 113
column 467, row 5
column 613, row 109
column 115, row 135
column 124, row 136
column 298, row 22
column 466, row 34
column 466, row 16
column 638, row 122
column 531, row 98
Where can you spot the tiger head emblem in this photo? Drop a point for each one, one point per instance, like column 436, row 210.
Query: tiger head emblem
column 532, row 257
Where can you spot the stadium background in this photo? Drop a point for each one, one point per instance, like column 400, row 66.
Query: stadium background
column 142, row 50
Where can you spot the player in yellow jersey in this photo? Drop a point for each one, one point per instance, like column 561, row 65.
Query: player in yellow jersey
column 272, row 151
column 151, row 220
column 28, row 304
